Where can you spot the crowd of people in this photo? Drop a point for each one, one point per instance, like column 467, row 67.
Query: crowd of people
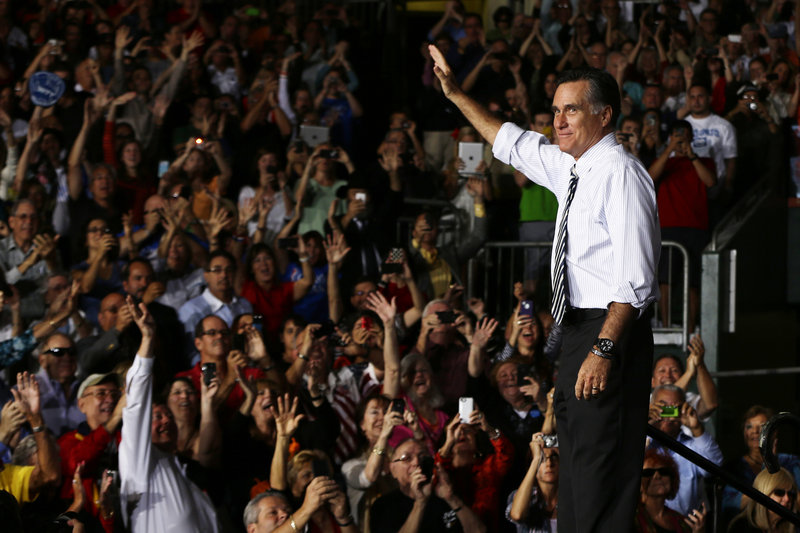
column 207, row 322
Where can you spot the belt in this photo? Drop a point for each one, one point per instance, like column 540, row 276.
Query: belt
column 576, row 315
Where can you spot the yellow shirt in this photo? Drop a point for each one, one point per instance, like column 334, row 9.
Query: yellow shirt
column 438, row 270
column 16, row 481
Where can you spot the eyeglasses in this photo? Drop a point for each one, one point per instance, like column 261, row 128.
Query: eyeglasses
column 780, row 493
column 220, row 270
column 553, row 457
column 750, row 97
column 58, row 352
column 215, row 332
column 406, row 458
column 664, row 471
column 98, row 230
column 102, row 394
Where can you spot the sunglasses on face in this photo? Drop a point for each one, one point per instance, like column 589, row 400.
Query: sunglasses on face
column 780, row 493
column 664, row 471
column 59, row 352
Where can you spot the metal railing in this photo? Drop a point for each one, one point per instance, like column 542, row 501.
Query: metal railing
column 491, row 275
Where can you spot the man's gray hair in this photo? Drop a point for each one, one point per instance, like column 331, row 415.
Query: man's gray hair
column 18, row 203
column 26, row 449
column 670, row 387
column 252, row 509
column 427, row 310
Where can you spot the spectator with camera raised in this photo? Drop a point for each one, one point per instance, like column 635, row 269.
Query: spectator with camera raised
column 516, row 405
column 364, row 473
column 477, row 467
column 212, row 339
column 533, row 507
column 668, row 412
column 682, row 180
column 425, row 499
column 453, row 361
column 757, row 139
column 321, row 181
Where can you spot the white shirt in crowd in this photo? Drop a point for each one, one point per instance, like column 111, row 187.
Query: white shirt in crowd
column 155, row 493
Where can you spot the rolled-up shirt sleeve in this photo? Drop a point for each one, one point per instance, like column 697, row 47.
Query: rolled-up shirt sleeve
column 632, row 218
column 531, row 153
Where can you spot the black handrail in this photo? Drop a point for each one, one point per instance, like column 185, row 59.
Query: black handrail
column 730, row 479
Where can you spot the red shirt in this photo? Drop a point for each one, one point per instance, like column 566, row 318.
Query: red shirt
column 682, row 196
column 479, row 485
column 236, row 397
column 74, row 448
column 274, row 305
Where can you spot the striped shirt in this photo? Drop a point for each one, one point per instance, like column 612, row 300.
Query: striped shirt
column 614, row 238
column 346, row 388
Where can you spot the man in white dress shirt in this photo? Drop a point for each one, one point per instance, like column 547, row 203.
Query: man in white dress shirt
column 610, row 246
column 156, row 495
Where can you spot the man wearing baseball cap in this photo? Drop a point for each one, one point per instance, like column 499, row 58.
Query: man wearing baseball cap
column 94, row 443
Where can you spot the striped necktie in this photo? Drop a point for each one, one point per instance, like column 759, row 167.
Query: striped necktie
column 559, row 306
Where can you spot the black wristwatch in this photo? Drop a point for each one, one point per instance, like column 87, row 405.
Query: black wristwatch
column 606, row 346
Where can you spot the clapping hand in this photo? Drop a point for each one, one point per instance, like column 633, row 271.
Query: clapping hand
column 11, row 419
column 26, row 395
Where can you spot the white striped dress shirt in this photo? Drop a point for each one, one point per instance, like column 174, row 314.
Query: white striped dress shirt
column 614, row 239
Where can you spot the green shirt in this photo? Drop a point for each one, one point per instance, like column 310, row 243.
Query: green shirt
column 318, row 200
column 537, row 204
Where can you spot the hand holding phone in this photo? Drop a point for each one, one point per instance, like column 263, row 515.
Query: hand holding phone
column 465, row 407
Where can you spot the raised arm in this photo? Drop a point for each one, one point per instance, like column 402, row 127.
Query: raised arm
column 286, row 422
column 209, row 436
column 522, row 498
column 335, row 251
column 303, row 285
column 47, row 470
column 387, row 311
column 34, row 136
column 705, row 384
column 477, row 350
column 483, row 121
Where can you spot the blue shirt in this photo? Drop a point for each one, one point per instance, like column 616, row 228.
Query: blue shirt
column 690, row 494
column 313, row 307
column 60, row 413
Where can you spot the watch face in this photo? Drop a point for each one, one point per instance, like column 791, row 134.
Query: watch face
column 605, row 345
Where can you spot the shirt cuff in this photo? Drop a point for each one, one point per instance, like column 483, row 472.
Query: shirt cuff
column 13, row 275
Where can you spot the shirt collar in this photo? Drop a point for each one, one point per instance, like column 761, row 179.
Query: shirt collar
column 597, row 153
column 213, row 302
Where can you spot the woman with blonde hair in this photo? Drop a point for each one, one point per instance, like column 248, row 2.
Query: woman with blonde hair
column 779, row 486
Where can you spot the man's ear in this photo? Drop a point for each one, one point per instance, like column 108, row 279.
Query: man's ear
column 606, row 115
